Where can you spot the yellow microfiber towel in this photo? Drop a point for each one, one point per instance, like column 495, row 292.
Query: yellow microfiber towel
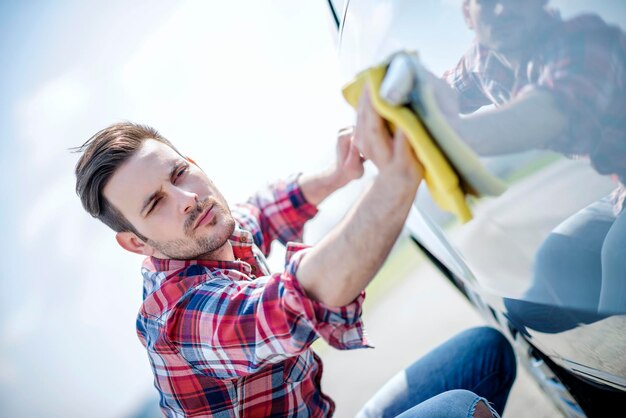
column 441, row 179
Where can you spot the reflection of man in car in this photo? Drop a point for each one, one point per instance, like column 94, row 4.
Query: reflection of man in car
column 560, row 85
column 225, row 337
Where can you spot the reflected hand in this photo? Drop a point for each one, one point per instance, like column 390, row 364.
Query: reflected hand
column 447, row 98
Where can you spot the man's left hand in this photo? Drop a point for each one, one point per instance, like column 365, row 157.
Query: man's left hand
column 349, row 164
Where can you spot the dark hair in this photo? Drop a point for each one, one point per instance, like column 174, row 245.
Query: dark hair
column 101, row 155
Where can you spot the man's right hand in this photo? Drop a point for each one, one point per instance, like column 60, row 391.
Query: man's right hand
column 394, row 157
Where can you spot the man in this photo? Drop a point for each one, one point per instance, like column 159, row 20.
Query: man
column 225, row 337
column 560, row 85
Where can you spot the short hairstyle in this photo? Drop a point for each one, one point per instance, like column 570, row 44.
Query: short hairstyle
column 101, row 156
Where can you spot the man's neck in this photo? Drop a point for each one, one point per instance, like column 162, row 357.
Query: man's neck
column 224, row 253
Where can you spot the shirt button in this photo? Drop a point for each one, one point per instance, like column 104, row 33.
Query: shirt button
column 242, row 239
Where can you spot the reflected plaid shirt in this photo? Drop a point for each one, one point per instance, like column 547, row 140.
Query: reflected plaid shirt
column 582, row 62
column 229, row 339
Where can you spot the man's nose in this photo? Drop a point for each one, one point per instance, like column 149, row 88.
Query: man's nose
column 187, row 201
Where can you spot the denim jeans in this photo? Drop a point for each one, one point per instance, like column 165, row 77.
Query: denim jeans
column 581, row 264
column 578, row 273
column 478, row 363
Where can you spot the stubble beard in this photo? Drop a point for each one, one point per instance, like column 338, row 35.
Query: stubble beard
column 194, row 247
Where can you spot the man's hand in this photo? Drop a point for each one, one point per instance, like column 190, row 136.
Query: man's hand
column 347, row 167
column 529, row 121
column 349, row 164
column 394, row 157
column 447, row 98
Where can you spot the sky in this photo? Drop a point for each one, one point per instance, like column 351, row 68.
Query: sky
column 249, row 89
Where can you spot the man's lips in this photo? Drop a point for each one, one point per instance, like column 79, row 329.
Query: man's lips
column 204, row 217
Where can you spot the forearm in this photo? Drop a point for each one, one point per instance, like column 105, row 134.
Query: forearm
column 337, row 269
column 528, row 122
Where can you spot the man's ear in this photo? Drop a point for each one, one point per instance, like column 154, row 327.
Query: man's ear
column 131, row 242
column 466, row 15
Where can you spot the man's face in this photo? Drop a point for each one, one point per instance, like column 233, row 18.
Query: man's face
column 503, row 25
column 171, row 202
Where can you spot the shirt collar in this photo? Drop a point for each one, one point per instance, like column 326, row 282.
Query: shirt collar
column 240, row 239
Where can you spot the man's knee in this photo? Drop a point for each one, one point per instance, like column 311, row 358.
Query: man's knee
column 482, row 410
column 490, row 340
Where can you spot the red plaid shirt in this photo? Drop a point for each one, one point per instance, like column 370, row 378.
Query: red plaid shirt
column 229, row 339
column 582, row 62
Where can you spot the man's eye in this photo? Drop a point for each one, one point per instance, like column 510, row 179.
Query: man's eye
column 156, row 202
column 182, row 171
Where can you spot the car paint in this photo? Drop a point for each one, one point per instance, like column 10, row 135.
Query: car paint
column 581, row 368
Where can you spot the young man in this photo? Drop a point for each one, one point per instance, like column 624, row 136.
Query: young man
column 226, row 337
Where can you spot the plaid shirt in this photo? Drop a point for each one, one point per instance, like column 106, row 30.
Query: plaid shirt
column 229, row 339
column 582, row 62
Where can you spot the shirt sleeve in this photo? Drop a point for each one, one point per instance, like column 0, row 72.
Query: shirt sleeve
column 229, row 329
column 277, row 212
column 465, row 79
column 584, row 71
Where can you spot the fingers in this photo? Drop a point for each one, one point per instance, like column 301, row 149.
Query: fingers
column 446, row 97
column 401, row 145
column 344, row 142
column 394, row 156
column 347, row 151
column 346, row 131
column 371, row 133
column 345, row 138
column 354, row 157
column 404, row 150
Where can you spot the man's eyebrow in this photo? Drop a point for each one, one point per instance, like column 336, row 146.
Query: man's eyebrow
column 150, row 198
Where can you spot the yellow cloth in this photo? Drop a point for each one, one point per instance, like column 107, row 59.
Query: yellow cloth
column 443, row 183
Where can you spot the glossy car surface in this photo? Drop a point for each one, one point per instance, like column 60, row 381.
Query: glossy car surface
column 536, row 260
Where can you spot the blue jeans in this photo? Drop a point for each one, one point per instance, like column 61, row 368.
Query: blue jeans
column 581, row 264
column 578, row 273
column 475, row 365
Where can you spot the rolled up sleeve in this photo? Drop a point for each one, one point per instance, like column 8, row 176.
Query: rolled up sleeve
column 341, row 327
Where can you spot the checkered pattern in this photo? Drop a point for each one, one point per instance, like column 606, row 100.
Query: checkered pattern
column 582, row 62
column 229, row 339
